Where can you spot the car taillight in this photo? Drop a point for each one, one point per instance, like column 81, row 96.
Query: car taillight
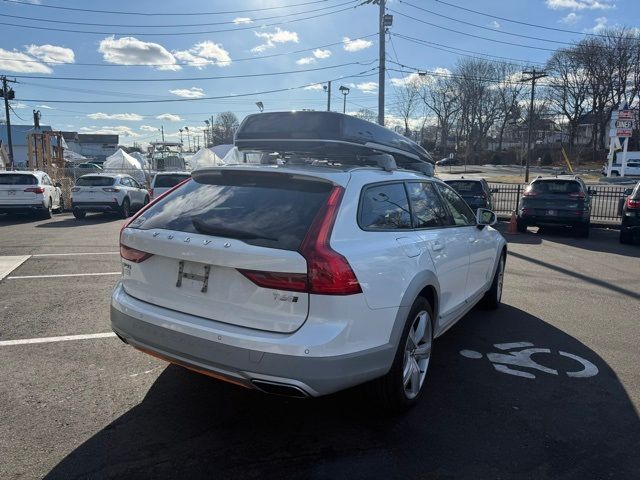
column 328, row 272
column 529, row 193
column 633, row 203
column 133, row 255
column 577, row 195
column 293, row 282
column 111, row 189
column 34, row 189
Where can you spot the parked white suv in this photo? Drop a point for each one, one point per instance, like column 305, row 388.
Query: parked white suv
column 29, row 192
column 164, row 181
column 305, row 280
column 104, row 192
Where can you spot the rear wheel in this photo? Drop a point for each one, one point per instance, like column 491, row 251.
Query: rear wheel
column 48, row 211
column 61, row 205
column 625, row 236
column 79, row 214
column 125, row 209
column 521, row 226
column 402, row 387
column 583, row 230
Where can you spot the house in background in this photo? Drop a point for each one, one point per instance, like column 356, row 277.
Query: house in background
column 96, row 146
column 19, row 135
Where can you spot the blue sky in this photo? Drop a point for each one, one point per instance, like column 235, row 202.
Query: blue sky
column 252, row 36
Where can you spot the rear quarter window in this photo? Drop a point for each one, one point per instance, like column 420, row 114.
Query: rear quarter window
column 384, row 207
column 263, row 209
column 17, row 179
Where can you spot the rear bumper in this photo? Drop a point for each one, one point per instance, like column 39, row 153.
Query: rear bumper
column 22, row 208
column 535, row 220
column 96, row 206
column 631, row 222
column 214, row 350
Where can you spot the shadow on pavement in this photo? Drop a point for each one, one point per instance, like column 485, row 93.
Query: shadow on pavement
column 474, row 422
column 87, row 221
column 18, row 219
column 604, row 240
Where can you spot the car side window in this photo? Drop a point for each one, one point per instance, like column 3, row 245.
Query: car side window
column 460, row 211
column 46, row 180
column 385, row 207
column 426, row 206
column 125, row 181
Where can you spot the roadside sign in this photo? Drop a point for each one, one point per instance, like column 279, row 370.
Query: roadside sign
column 624, row 132
column 624, row 124
column 625, row 115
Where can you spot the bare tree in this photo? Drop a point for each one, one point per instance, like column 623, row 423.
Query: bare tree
column 509, row 93
column 439, row 96
column 224, row 127
column 407, row 101
column 366, row 114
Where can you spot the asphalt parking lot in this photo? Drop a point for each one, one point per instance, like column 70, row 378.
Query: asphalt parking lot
column 96, row 408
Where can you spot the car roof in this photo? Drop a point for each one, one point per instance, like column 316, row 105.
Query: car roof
column 176, row 172
column 102, row 174
column 37, row 173
column 479, row 180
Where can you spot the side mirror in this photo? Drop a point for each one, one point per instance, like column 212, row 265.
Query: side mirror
column 58, row 184
column 628, row 191
column 485, row 217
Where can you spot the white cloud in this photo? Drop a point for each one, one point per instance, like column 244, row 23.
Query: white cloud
column 315, row 86
column 44, row 106
column 272, row 38
column 355, row 45
column 367, row 87
column 169, row 117
column 601, row 24
column 203, row 54
column 242, row 20
column 131, row 51
column 494, row 24
column 321, row 54
column 127, row 117
column 193, row 92
column 51, row 53
column 571, row 19
column 14, row 61
column 305, row 60
column 416, row 78
column 580, row 4
column 121, row 130
column 148, row 128
column 18, row 105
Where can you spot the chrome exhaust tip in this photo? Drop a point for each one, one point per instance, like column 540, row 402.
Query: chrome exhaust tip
column 281, row 389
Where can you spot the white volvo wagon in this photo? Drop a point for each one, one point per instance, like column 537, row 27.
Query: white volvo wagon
column 307, row 277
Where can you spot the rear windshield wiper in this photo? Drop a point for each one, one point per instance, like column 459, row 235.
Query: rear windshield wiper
column 205, row 229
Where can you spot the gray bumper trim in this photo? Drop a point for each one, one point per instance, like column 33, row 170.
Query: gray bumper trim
column 315, row 375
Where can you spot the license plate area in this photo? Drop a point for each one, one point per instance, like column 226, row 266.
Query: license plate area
column 11, row 193
column 196, row 272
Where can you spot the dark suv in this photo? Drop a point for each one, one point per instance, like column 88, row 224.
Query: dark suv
column 630, row 226
column 562, row 201
column 475, row 192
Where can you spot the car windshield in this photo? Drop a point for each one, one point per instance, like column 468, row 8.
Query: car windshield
column 556, row 186
column 264, row 209
column 465, row 187
column 169, row 180
column 18, row 179
column 94, row 181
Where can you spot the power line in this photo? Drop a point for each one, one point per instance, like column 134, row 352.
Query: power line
column 195, row 79
column 449, row 49
column 202, row 32
column 365, row 73
column 229, row 22
column 471, row 35
column 520, row 22
column 156, row 14
column 183, row 64
column 482, row 26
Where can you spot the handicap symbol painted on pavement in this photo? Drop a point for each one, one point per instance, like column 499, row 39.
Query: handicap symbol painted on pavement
column 518, row 354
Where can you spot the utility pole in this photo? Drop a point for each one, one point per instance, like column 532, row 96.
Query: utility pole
column 534, row 75
column 162, row 130
column 381, row 64
column 8, row 94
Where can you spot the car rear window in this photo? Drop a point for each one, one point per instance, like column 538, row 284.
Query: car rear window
column 168, row 180
column 465, row 187
column 556, row 186
column 263, row 209
column 94, row 182
column 17, row 179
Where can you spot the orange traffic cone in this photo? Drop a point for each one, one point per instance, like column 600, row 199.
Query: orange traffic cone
column 513, row 224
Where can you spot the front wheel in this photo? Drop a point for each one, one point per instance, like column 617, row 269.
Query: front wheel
column 493, row 297
column 402, row 387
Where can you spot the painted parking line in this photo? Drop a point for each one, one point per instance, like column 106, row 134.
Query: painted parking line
column 39, row 255
column 9, row 263
column 64, row 338
column 61, row 275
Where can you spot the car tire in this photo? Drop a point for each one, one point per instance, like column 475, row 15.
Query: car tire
column 521, row 226
column 402, row 387
column 493, row 297
column 79, row 214
column 146, row 201
column 614, row 173
column 583, row 230
column 625, row 237
column 125, row 209
column 48, row 211
column 61, row 206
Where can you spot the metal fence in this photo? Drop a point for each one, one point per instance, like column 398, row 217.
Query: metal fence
column 606, row 200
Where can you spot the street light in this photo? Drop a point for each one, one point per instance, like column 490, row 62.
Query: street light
column 186, row 129
column 260, row 106
column 345, row 91
column 207, row 134
column 180, row 130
